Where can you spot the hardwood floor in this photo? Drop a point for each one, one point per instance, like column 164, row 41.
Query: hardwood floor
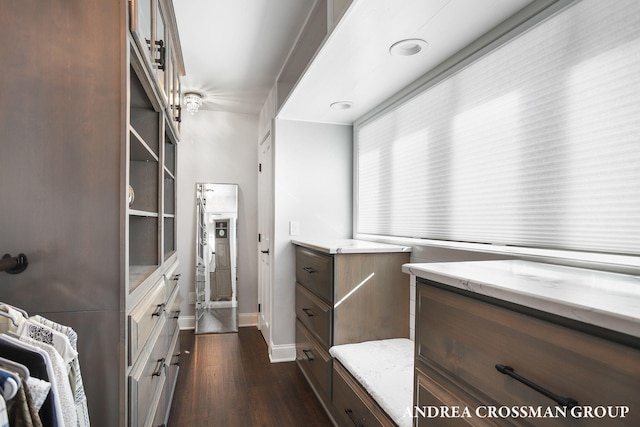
column 226, row 380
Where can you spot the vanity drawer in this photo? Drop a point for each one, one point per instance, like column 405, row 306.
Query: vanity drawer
column 173, row 362
column 463, row 338
column 144, row 318
column 436, row 396
column 352, row 404
column 315, row 314
column 315, row 272
column 173, row 310
column 314, row 360
column 147, row 379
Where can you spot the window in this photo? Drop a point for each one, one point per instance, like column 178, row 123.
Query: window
column 536, row 144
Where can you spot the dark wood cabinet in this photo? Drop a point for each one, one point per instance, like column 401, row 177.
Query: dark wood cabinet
column 346, row 298
column 461, row 337
column 82, row 118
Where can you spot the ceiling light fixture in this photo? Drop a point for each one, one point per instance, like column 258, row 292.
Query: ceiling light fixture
column 341, row 105
column 193, row 101
column 407, row 47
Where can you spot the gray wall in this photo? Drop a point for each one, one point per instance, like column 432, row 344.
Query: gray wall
column 61, row 179
column 219, row 147
column 313, row 175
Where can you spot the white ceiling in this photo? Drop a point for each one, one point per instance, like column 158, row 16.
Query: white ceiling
column 234, row 49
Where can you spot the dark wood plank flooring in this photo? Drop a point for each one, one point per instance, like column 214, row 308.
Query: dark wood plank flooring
column 226, row 380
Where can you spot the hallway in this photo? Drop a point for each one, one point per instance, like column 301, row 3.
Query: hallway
column 226, row 380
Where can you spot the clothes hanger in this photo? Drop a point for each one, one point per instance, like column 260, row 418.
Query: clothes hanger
column 10, row 317
column 11, row 383
column 24, row 313
column 18, row 367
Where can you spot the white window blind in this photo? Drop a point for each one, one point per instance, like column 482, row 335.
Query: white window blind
column 536, row 144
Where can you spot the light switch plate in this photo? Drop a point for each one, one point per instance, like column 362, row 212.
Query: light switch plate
column 294, row 228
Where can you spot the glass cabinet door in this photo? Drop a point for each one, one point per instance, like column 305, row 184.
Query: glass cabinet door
column 160, row 49
column 142, row 25
column 173, row 79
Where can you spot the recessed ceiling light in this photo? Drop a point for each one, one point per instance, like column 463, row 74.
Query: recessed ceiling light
column 341, row 105
column 407, row 47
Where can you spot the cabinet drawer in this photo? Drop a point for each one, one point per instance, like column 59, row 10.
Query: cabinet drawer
column 315, row 272
column 173, row 310
column 173, row 364
column 353, row 405
column 160, row 415
column 144, row 318
column 147, row 379
column 313, row 360
column 171, row 279
column 464, row 338
column 315, row 314
column 432, row 397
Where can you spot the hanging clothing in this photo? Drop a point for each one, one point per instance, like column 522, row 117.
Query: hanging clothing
column 47, row 335
column 38, row 363
column 38, row 389
column 61, row 375
column 75, row 376
column 55, row 389
column 21, row 411
column 4, row 417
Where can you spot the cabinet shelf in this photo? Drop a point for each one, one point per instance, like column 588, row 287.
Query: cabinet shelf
column 168, row 172
column 136, row 212
column 139, row 150
column 144, row 118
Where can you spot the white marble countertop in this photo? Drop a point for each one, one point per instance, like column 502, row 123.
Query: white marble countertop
column 608, row 300
column 349, row 246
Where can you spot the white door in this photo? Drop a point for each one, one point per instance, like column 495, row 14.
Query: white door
column 265, row 230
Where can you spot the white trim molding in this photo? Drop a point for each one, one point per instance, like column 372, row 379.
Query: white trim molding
column 282, row 353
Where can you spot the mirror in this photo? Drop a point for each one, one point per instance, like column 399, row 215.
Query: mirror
column 216, row 266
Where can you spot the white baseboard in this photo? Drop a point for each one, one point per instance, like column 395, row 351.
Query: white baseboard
column 282, row 353
column 247, row 319
column 187, row 322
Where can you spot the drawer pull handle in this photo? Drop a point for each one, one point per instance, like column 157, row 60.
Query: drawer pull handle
column 162, row 50
column 310, row 270
column 159, row 368
column 562, row 401
column 177, row 357
column 308, row 312
column 307, row 353
column 176, row 314
column 159, row 310
column 349, row 413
